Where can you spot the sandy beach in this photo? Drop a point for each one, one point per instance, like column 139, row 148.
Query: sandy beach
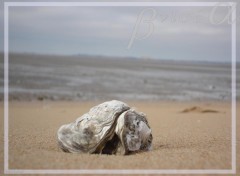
column 188, row 106
column 189, row 135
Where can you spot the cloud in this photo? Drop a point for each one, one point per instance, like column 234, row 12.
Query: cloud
column 179, row 33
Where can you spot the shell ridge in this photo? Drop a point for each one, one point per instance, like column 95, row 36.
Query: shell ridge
column 110, row 127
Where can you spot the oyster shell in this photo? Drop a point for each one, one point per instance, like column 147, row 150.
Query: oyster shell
column 109, row 128
column 134, row 132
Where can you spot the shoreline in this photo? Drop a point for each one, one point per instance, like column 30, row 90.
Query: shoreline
column 85, row 78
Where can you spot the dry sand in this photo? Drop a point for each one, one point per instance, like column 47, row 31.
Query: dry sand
column 192, row 135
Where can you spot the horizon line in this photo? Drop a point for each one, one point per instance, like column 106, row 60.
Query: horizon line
column 120, row 57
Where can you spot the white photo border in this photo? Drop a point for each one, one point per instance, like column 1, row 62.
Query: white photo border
column 109, row 171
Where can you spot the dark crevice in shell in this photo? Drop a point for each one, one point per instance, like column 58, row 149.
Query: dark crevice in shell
column 111, row 146
column 109, row 133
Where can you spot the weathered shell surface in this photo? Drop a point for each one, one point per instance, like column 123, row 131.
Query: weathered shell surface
column 109, row 128
column 134, row 132
column 92, row 129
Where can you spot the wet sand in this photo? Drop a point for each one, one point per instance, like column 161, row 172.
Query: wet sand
column 96, row 78
column 192, row 135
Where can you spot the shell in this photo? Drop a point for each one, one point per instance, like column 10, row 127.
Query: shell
column 109, row 128
column 134, row 132
column 90, row 132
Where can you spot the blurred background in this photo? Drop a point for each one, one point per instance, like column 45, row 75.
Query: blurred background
column 126, row 53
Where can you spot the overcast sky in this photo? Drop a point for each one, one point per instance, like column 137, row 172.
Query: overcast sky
column 177, row 32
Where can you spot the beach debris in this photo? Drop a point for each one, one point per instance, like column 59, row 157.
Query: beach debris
column 108, row 128
column 199, row 110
